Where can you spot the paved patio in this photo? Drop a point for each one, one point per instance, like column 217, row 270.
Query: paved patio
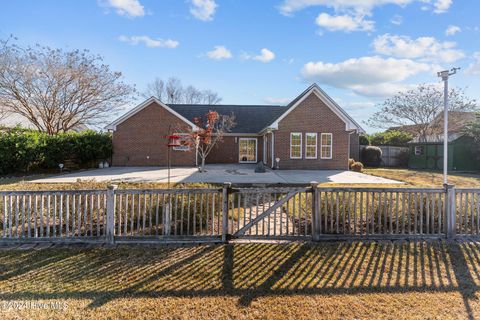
column 235, row 173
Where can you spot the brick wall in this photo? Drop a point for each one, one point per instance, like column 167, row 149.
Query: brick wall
column 140, row 140
column 354, row 146
column 227, row 150
column 312, row 115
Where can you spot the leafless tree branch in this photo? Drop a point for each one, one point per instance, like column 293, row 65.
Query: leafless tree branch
column 419, row 107
column 173, row 91
column 59, row 90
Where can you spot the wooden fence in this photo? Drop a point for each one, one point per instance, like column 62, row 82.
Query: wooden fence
column 217, row 215
column 392, row 156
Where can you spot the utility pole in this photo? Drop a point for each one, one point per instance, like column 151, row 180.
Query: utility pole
column 445, row 75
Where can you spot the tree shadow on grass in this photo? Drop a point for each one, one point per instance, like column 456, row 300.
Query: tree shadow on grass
column 247, row 271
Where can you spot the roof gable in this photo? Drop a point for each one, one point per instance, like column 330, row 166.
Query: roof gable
column 457, row 122
column 140, row 107
column 350, row 124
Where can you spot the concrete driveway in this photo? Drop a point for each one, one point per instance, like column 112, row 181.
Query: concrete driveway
column 235, row 173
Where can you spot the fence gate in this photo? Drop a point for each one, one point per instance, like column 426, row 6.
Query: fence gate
column 270, row 212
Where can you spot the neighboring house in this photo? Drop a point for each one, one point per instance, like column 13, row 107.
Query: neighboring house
column 412, row 129
column 311, row 132
column 427, row 153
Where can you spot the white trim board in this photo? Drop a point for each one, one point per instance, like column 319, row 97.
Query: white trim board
column 350, row 124
column 143, row 105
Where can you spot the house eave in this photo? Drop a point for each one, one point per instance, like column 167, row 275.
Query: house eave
column 268, row 130
column 113, row 126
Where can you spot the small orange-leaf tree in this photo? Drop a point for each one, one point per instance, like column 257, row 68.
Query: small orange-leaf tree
column 209, row 130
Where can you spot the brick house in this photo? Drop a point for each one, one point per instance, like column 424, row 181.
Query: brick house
column 311, row 132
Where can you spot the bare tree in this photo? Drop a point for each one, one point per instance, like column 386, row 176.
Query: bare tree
column 59, row 90
column 173, row 91
column 3, row 55
column 210, row 130
column 419, row 107
column 210, row 97
column 192, row 95
column 156, row 89
column 3, row 111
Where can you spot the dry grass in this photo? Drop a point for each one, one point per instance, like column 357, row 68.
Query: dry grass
column 23, row 184
column 415, row 280
column 423, row 178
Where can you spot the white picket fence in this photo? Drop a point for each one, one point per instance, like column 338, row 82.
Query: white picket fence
column 217, row 215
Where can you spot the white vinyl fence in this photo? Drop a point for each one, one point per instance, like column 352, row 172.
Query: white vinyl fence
column 217, row 215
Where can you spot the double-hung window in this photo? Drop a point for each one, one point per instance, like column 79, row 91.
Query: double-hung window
column 310, row 145
column 295, row 145
column 326, row 146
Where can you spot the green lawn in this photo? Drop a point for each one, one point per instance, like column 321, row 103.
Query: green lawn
column 341, row 280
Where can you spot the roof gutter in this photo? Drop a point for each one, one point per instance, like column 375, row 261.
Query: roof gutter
column 267, row 130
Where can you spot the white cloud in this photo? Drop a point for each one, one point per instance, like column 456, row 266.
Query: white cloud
column 219, row 53
column 474, row 67
column 425, row 48
column 382, row 89
column 344, row 23
column 397, row 20
column 360, row 6
column 451, row 30
column 129, row 8
column 277, row 101
column 149, row 42
column 357, row 105
column 370, row 76
column 264, row 56
column 365, row 7
column 442, row 6
column 203, row 9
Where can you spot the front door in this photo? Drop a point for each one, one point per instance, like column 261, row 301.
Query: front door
column 247, row 152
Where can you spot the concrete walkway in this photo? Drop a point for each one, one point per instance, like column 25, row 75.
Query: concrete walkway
column 235, row 173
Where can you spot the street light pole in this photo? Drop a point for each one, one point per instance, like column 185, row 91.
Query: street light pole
column 445, row 75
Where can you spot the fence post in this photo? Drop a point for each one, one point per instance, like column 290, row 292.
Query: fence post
column 225, row 192
column 450, row 210
column 316, row 230
column 110, row 228
column 167, row 216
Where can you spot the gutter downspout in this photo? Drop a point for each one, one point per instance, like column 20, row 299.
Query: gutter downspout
column 273, row 150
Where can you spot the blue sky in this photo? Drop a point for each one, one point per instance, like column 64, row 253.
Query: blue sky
column 264, row 52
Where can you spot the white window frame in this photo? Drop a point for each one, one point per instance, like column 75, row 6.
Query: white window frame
column 420, row 150
column 316, row 145
column 183, row 147
column 300, row 145
column 322, row 145
column 256, row 150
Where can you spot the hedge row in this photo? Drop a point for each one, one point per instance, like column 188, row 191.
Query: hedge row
column 28, row 151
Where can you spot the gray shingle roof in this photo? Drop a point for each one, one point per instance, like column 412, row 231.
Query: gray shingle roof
column 248, row 118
